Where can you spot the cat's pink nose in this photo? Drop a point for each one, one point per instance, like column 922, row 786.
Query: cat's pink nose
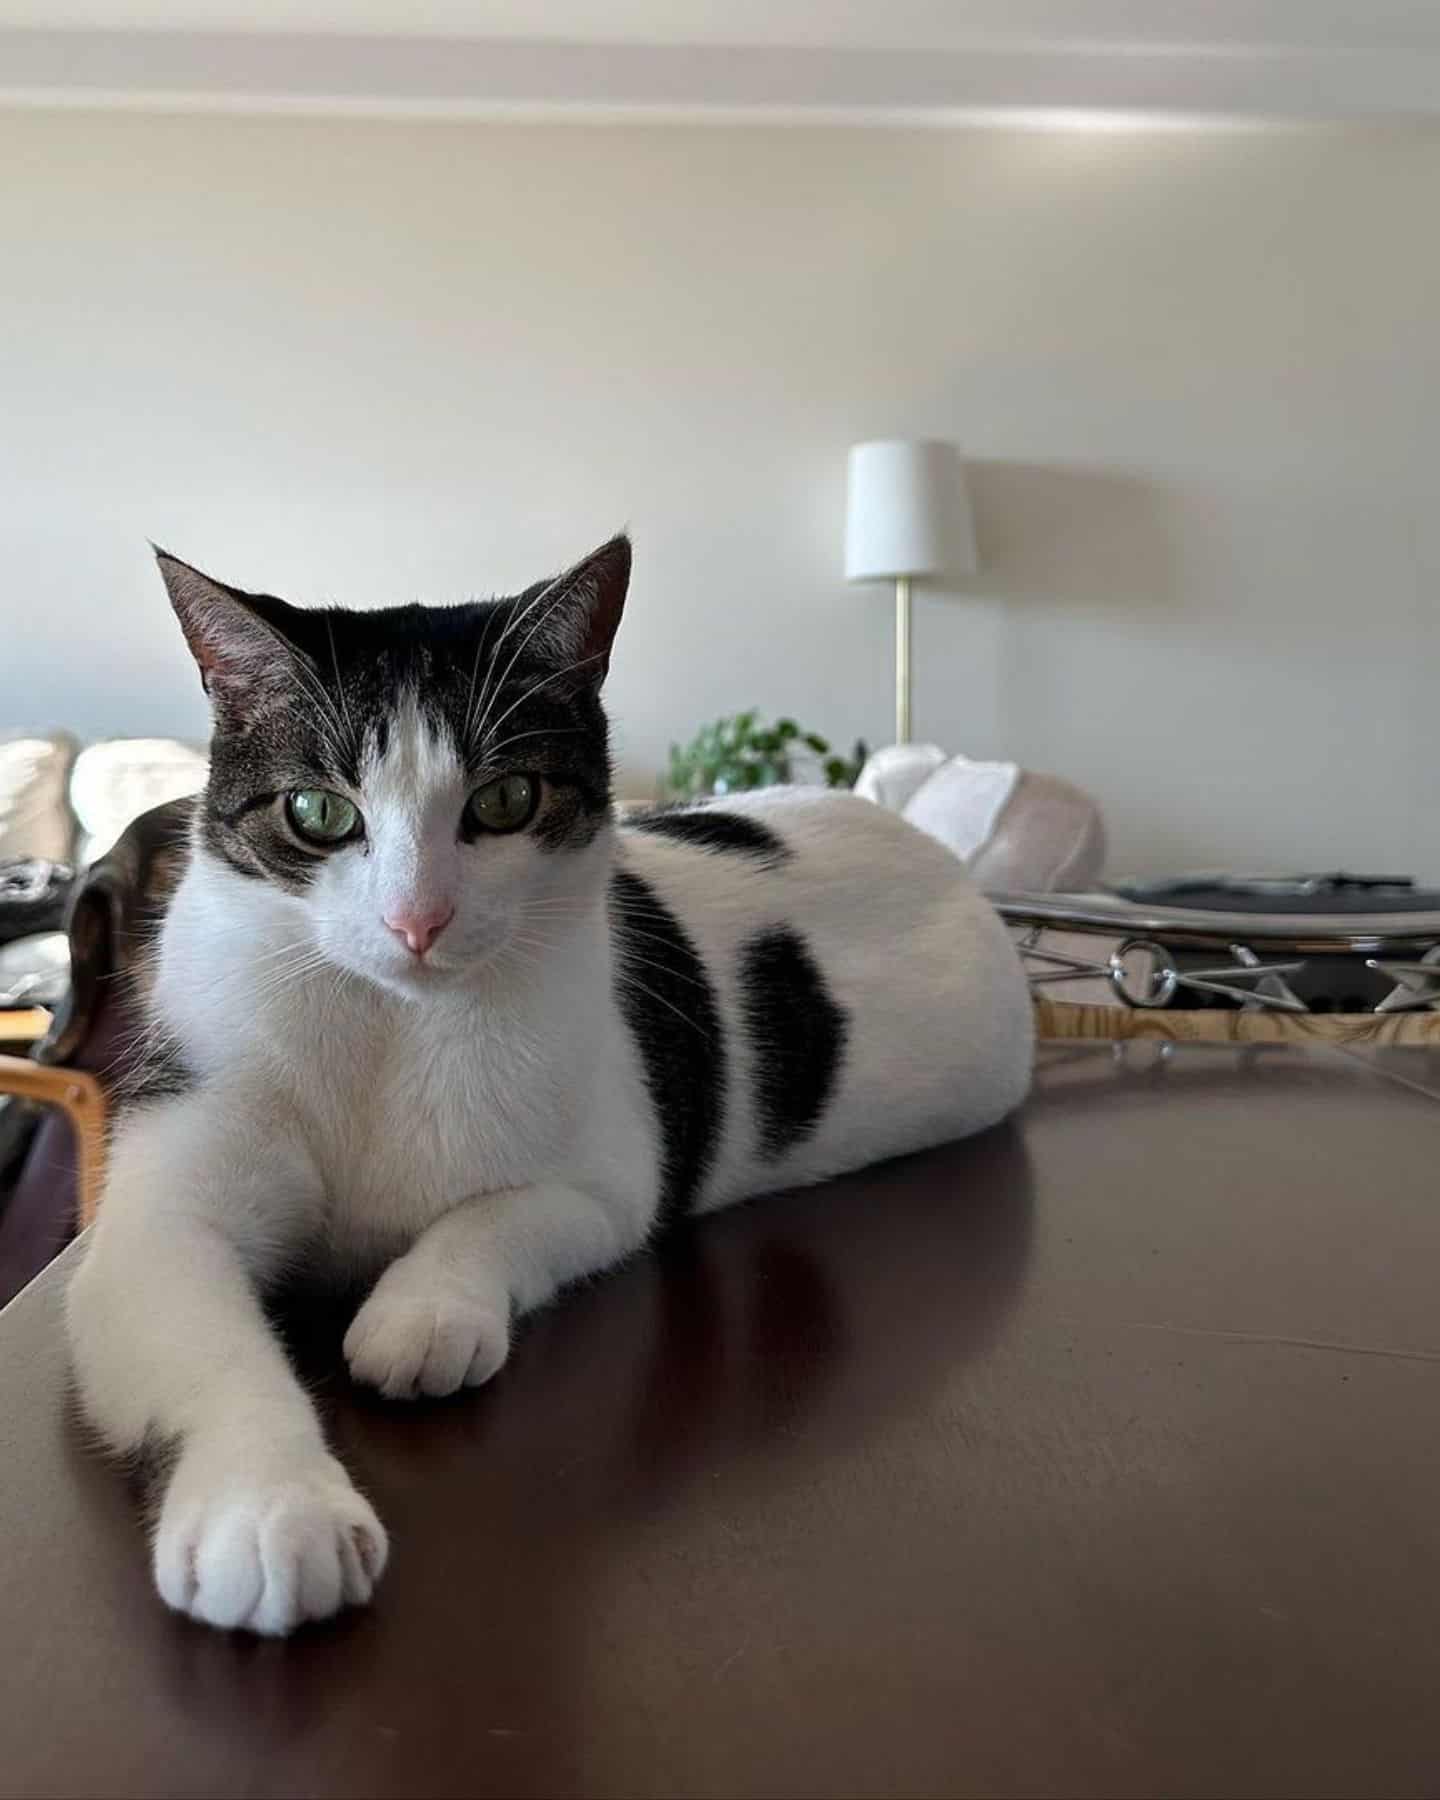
column 419, row 926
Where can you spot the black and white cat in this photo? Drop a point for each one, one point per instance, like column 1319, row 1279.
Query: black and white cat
column 433, row 1020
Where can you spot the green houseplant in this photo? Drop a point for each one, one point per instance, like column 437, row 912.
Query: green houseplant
column 734, row 754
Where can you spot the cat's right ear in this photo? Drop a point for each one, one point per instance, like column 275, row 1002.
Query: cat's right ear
column 238, row 640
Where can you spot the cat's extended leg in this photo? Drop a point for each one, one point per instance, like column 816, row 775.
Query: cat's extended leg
column 259, row 1526
column 439, row 1317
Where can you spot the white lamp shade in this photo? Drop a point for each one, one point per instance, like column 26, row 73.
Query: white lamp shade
column 908, row 512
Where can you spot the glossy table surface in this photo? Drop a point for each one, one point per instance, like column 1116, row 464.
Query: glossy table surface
column 1096, row 1456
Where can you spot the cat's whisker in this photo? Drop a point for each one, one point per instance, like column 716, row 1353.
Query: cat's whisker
column 493, row 680
column 340, row 987
column 480, row 642
column 561, row 915
column 240, row 980
column 304, row 943
column 535, row 687
column 499, row 686
column 561, row 597
column 273, row 964
column 329, row 720
column 511, row 624
column 487, row 689
column 519, row 946
column 668, row 970
column 493, row 750
column 291, row 979
column 634, row 930
column 660, row 1000
column 340, row 689
column 282, row 974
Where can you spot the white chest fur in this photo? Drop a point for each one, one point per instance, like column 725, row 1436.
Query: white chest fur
column 406, row 1106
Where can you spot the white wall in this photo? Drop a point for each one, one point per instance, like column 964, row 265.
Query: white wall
column 373, row 360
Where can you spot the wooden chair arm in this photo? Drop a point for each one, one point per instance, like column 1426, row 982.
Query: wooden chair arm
column 81, row 1098
column 23, row 1025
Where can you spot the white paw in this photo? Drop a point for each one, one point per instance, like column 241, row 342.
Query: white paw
column 264, row 1541
column 407, row 1343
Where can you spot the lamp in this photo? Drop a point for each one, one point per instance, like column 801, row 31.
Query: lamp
column 907, row 516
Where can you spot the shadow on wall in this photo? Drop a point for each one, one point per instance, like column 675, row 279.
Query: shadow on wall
column 1080, row 539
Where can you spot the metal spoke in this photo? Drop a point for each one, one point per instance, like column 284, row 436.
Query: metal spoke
column 1417, row 985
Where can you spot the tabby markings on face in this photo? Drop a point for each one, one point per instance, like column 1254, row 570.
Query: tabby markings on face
column 412, row 777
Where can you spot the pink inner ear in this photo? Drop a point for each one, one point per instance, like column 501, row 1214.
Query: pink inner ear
column 234, row 648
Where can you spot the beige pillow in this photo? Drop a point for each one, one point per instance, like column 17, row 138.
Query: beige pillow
column 114, row 782
column 1050, row 839
column 35, row 817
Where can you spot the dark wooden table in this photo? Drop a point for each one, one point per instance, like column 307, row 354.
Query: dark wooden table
column 1098, row 1456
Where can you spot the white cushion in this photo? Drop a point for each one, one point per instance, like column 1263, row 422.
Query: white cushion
column 1049, row 839
column 892, row 775
column 34, row 971
column 34, row 816
column 961, row 803
column 114, row 782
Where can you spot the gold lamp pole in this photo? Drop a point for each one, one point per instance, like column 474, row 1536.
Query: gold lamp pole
column 907, row 516
column 902, row 659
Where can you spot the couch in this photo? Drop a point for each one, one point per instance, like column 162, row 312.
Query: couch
column 62, row 807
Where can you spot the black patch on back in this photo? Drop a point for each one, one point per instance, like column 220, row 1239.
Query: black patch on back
column 669, row 1004
column 797, row 1032
column 711, row 828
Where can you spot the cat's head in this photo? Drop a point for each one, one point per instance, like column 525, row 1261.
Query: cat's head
column 424, row 789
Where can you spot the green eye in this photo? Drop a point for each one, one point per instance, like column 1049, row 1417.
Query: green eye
column 322, row 817
column 503, row 805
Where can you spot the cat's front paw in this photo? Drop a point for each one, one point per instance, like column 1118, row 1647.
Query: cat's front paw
column 407, row 1342
column 264, row 1539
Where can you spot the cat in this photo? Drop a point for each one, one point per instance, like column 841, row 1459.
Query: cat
column 429, row 1017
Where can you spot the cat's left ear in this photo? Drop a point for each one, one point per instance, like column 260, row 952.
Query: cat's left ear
column 243, row 644
column 579, row 613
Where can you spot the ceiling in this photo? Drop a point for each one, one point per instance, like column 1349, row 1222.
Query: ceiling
column 919, row 60
column 833, row 24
